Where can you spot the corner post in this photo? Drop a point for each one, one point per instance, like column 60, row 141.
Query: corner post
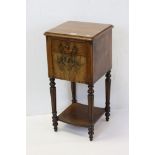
column 107, row 89
column 53, row 103
column 90, row 110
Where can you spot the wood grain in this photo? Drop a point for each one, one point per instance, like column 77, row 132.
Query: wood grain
column 78, row 30
column 80, row 52
column 77, row 114
column 65, row 64
column 102, row 54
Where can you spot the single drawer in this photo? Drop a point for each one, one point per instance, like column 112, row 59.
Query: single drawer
column 69, row 60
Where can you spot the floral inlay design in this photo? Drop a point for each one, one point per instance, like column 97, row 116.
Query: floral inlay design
column 68, row 59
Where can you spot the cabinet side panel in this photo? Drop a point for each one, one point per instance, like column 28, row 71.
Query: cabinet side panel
column 102, row 54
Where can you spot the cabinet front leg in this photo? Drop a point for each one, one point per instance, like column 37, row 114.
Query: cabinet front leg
column 53, row 103
column 90, row 110
column 107, row 90
column 73, row 88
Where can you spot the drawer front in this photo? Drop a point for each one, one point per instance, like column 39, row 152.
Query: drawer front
column 70, row 60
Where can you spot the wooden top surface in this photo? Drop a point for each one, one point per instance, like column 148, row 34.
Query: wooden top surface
column 78, row 30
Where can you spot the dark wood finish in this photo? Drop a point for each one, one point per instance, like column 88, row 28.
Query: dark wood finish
column 83, row 56
column 80, row 52
column 69, row 60
column 53, row 101
column 90, row 110
column 91, row 132
column 73, row 89
column 107, row 87
column 102, row 54
column 77, row 114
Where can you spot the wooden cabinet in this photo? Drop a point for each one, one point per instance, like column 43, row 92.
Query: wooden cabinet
column 69, row 60
column 80, row 52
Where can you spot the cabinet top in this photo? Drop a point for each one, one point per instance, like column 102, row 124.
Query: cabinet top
column 78, row 30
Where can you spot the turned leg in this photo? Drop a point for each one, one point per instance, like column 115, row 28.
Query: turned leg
column 53, row 103
column 107, row 90
column 73, row 88
column 90, row 110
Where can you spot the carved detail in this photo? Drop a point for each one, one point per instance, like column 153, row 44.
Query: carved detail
column 68, row 58
column 90, row 90
column 91, row 132
column 107, row 86
column 90, row 110
column 52, row 83
column 53, row 100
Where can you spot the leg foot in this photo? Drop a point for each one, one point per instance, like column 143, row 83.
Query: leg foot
column 90, row 110
column 91, row 132
column 55, row 121
column 107, row 114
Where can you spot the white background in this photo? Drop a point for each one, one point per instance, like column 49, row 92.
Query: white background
column 45, row 14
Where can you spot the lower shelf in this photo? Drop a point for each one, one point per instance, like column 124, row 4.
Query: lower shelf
column 77, row 114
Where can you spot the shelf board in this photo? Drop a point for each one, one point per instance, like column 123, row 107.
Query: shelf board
column 77, row 114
